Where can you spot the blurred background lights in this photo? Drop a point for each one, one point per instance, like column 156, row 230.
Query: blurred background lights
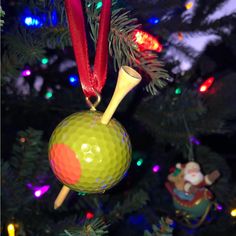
column 146, row 41
column 155, row 168
column 49, row 94
column 44, row 60
column 39, row 191
column 178, row 91
column 32, row 21
column 26, row 72
column 154, row 20
column 139, row 162
column 22, row 140
column 11, row 230
column 219, row 207
column 194, row 140
column 99, row 5
column 73, row 79
column 89, row 215
column 54, row 18
column 233, row 212
column 189, row 5
column 206, row 84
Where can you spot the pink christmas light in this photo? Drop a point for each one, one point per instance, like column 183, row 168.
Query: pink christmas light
column 26, row 72
column 39, row 191
column 155, row 168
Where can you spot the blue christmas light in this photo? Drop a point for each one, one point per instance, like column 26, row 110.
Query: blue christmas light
column 154, row 20
column 54, row 18
column 73, row 79
column 32, row 21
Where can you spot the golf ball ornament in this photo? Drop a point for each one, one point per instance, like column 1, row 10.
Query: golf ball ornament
column 88, row 156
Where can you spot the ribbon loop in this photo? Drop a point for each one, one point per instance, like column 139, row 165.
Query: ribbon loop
column 91, row 80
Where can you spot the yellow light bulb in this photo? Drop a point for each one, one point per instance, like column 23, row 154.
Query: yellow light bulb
column 11, row 230
column 189, row 5
column 233, row 212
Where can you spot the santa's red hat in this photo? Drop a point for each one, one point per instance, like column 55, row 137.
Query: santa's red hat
column 180, row 166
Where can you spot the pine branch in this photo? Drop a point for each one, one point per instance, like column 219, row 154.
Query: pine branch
column 131, row 203
column 29, row 46
column 29, row 156
column 219, row 24
column 213, row 6
column 56, row 37
column 2, row 14
column 10, row 67
column 96, row 227
column 124, row 50
column 166, row 122
column 24, row 45
column 163, row 229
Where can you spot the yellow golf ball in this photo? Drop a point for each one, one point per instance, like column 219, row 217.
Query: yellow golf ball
column 88, row 156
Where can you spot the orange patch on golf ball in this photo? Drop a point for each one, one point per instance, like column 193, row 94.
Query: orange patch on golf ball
column 64, row 164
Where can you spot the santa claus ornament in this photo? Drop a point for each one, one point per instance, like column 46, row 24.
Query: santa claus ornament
column 89, row 151
column 191, row 198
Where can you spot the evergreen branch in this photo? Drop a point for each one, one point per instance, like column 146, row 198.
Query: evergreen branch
column 96, row 227
column 27, row 154
column 10, row 66
column 29, row 46
column 25, row 46
column 185, row 49
column 20, row 48
column 170, row 125
column 2, row 14
column 124, row 50
column 213, row 6
column 56, row 37
column 131, row 203
column 214, row 26
column 163, row 229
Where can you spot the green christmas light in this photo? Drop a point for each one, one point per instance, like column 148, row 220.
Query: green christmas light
column 139, row 162
column 48, row 95
column 99, row 5
column 44, row 60
column 178, row 91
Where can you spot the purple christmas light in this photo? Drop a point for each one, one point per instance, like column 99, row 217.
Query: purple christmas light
column 26, row 72
column 39, row 191
column 219, row 207
column 155, row 168
column 194, row 140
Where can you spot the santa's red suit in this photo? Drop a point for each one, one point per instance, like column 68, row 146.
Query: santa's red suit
column 193, row 176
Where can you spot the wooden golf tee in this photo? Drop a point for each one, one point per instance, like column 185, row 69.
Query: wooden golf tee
column 61, row 196
column 128, row 78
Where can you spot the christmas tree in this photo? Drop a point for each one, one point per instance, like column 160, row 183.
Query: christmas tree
column 183, row 111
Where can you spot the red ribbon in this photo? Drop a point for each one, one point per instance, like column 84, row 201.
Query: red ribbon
column 91, row 80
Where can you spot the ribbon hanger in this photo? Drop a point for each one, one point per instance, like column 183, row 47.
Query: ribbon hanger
column 92, row 81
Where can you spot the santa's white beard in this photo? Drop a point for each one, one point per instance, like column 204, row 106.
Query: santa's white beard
column 195, row 178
